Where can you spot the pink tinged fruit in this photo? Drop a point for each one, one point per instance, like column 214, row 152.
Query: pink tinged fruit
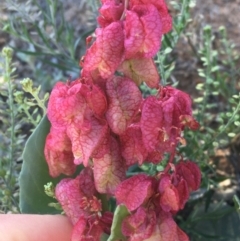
column 143, row 32
column 96, row 100
column 92, row 228
column 86, row 182
column 141, row 70
column 86, row 230
column 132, row 147
column 91, row 138
column 66, row 104
column 77, row 196
column 175, row 104
column 167, row 230
column 109, row 171
column 106, row 53
column 151, row 122
column 124, row 102
column 191, row 173
column 139, row 225
column 169, row 197
column 73, row 133
column 189, row 121
column 160, row 122
column 69, row 195
column 162, row 10
column 103, row 147
column 110, row 12
column 154, row 157
column 183, row 192
column 134, row 34
column 135, row 191
column 58, row 153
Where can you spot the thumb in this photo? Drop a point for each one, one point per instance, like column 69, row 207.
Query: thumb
column 22, row 227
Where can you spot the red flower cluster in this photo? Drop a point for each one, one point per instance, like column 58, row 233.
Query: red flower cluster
column 153, row 200
column 102, row 122
column 78, row 198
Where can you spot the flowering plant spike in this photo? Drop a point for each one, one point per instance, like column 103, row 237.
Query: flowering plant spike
column 102, row 122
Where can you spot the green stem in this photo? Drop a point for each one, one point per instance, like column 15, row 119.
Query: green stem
column 174, row 36
column 230, row 120
column 29, row 116
column 208, row 72
column 6, row 183
column 162, row 69
column 7, row 54
column 182, row 22
column 7, row 76
column 231, row 62
column 40, row 103
column 126, row 2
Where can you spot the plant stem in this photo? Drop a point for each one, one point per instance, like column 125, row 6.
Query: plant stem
column 7, row 77
column 8, row 71
column 126, row 2
column 208, row 69
column 40, row 103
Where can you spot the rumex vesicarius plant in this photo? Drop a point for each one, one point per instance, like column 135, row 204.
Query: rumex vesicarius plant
column 101, row 121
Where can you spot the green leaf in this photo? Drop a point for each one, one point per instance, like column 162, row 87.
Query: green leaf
column 221, row 222
column 120, row 213
column 236, row 204
column 34, row 174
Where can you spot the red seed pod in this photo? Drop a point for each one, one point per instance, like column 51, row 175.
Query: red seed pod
column 124, row 99
column 134, row 191
column 190, row 172
column 143, row 32
column 141, row 70
column 140, row 225
column 110, row 11
column 132, row 147
column 109, row 170
column 58, row 153
column 169, row 196
column 106, row 53
column 88, row 40
column 162, row 10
